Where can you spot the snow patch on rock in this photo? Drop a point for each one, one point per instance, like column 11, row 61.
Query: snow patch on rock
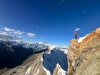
column 28, row 71
column 81, row 38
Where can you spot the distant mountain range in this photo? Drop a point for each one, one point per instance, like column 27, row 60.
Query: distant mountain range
column 13, row 54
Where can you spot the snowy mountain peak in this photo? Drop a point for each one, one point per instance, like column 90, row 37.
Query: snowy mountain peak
column 50, row 58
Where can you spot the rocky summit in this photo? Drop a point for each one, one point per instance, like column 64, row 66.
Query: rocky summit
column 84, row 56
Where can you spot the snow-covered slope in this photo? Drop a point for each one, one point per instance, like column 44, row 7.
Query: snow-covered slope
column 54, row 57
column 81, row 38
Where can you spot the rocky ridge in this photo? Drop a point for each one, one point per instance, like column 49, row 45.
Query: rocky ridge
column 84, row 57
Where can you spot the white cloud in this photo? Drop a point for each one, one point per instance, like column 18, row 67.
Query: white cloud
column 13, row 31
column 3, row 33
column 77, row 29
column 8, row 29
column 11, row 38
column 18, row 32
column 31, row 35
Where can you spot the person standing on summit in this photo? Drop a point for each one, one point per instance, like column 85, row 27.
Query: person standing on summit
column 76, row 34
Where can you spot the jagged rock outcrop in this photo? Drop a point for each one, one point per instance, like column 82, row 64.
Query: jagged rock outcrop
column 84, row 57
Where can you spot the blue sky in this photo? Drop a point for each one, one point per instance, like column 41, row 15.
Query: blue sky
column 51, row 21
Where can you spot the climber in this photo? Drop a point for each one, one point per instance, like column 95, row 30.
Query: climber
column 75, row 33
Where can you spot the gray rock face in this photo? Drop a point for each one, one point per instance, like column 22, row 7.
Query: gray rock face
column 31, row 66
column 84, row 57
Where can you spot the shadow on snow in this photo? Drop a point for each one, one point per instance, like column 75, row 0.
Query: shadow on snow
column 56, row 56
